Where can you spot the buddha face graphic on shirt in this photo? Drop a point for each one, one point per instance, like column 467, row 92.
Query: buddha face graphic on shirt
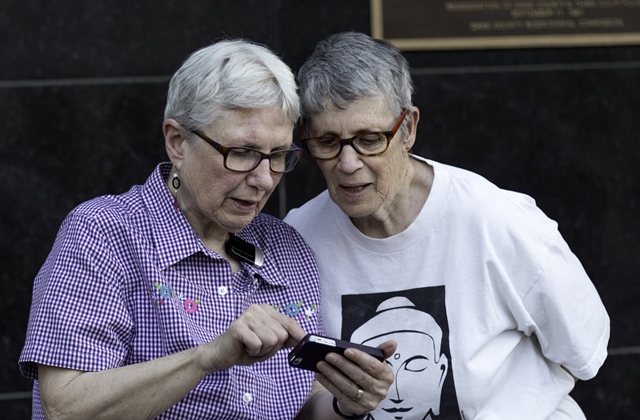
column 413, row 363
column 418, row 364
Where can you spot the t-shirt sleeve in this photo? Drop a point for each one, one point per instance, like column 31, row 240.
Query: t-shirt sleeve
column 78, row 316
column 571, row 323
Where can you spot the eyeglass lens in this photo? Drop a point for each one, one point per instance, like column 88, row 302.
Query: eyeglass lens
column 366, row 144
column 245, row 160
column 242, row 159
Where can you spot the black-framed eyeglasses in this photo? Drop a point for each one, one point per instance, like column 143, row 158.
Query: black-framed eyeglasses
column 244, row 159
column 365, row 143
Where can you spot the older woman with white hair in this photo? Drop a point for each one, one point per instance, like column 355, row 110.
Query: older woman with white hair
column 520, row 318
column 178, row 298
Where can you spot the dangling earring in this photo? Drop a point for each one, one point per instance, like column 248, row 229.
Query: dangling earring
column 176, row 184
column 175, row 181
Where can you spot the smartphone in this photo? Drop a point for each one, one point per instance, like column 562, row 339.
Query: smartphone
column 313, row 348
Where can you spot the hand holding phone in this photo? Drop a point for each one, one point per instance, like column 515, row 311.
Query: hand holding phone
column 313, row 348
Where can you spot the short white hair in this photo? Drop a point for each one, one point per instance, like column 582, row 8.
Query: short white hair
column 349, row 66
column 230, row 74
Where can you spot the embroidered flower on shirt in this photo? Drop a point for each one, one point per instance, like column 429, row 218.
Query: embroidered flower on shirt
column 191, row 305
column 166, row 294
column 309, row 312
column 297, row 310
column 292, row 309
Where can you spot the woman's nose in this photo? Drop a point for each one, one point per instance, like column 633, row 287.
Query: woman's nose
column 349, row 160
column 261, row 177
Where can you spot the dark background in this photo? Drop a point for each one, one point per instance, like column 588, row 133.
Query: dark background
column 82, row 88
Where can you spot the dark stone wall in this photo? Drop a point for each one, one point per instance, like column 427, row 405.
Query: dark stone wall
column 82, row 88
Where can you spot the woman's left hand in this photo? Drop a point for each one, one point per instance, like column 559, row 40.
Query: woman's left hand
column 358, row 381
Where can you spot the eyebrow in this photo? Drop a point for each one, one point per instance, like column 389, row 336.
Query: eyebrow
column 254, row 146
column 361, row 131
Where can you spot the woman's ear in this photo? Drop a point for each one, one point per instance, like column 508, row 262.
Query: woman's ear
column 173, row 141
column 412, row 127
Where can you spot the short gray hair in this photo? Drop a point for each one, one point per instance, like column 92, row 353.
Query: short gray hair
column 230, row 74
column 349, row 66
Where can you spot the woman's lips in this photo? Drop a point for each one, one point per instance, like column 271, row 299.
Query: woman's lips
column 354, row 191
column 245, row 204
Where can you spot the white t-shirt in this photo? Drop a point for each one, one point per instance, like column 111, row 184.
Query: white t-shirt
column 483, row 296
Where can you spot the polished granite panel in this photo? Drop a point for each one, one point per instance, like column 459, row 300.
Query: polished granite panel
column 304, row 23
column 613, row 394
column 61, row 146
column 16, row 409
column 554, row 58
column 42, row 39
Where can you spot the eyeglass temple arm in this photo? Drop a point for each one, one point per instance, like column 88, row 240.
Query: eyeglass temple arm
column 400, row 120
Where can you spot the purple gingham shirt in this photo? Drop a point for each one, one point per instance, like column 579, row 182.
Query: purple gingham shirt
column 128, row 280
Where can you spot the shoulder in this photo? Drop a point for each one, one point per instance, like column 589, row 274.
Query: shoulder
column 269, row 231
column 136, row 203
column 473, row 197
column 265, row 224
column 106, row 220
column 311, row 212
column 109, row 209
column 128, row 201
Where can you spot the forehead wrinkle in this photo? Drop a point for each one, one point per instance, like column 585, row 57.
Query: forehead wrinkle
column 361, row 115
column 245, row 132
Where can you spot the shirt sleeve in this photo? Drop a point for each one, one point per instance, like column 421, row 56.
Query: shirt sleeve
column 78, row 316
column 570, row 320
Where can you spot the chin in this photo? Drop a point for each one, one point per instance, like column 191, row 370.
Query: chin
column 354, row 211
column 237, row 223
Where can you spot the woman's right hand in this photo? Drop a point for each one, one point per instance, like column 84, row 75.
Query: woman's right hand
column 254, row 337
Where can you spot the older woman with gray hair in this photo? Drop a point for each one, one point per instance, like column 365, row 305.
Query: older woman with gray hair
column 396, row 235
column 178, row 298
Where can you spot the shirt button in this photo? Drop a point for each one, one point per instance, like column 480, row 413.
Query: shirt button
column 247, row 397
column 222, row 290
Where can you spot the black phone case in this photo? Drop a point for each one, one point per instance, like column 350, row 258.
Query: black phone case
column 313, row 348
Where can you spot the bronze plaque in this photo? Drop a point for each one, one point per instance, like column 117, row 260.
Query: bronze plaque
column 475, row 24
